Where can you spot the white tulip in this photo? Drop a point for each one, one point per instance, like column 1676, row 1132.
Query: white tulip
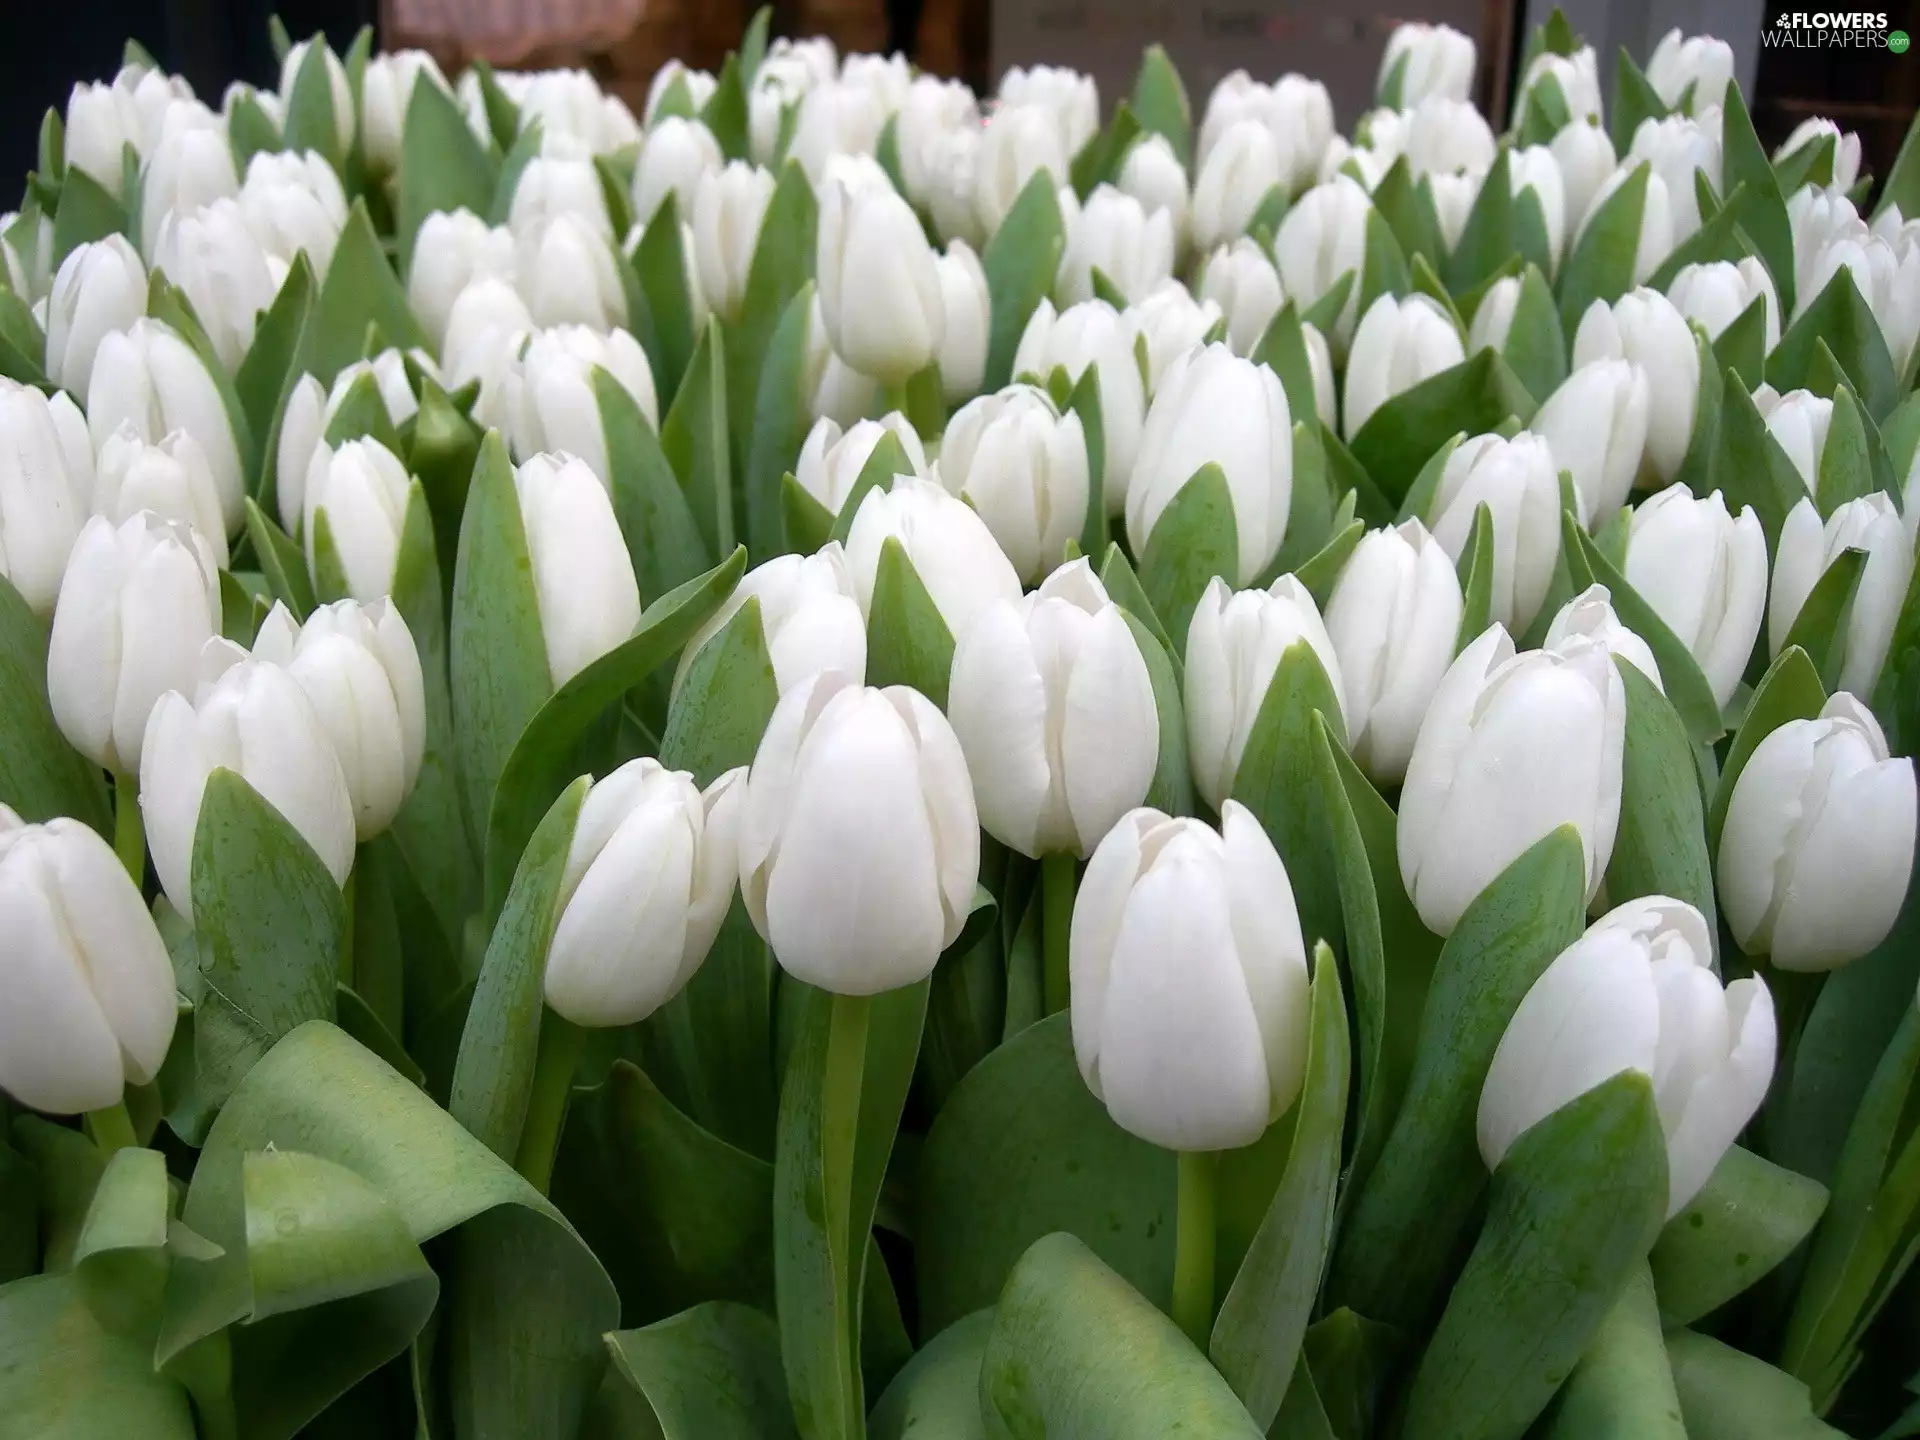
column 1806, row 548
column 144, row 96
column 969, row 310
column 1798, row 421
column 216, row 261
column 582, row 574
column 886, row 77
column 1519, row 484
column 1296, row 112
column 1697, row 61
column 386, row 91
column 1887, row 275
column 1116, row 235
column 1577, row 76
column 1818, row 845
column 1170, row 322
column 932, row 109
column 1444, row 136
column 1638, row 993
column 1019, row 142
column 1846, row 148
column 1644, row 327
column 148, row 376
column 835, row 119
column 1233, row 646
column 880, row 289
column 1534, row 168
column 1705, row 575
column 853, row 781
column 46, row 483
column 555, row 408
column 1189, row 980
column 1718, row 293
column 1324, row 237
column 390, row 378
column 450, row 252
column 1242, row 281
column 1094, row 333
column 191, row 165
column 1589, row 617
column 1493, row 319
column 101, row 287
column 1439, row 60
column 170, row 477
column 90, row 991
column 293, row 203
column 831, row 459
column 1153, row 175
column 700, row 85
column 551, row 187
column 238, row 92
column 1513, row 746
column 1392, row 619
column 1677, row 146
column 360, row 671
column 1598, row 424
column 809, row 617
column 1214, row 407
column 728, row 206
column 486, row 330
column 569, row 275
column 1071, row 97
column 949, row 546
column 337, row 83
column 1022, row 466
column 952, row 162
column 1585, row 156
column 1234, row 179
column 1657, row 222
column 98, row 131
column 310, row 409
column 675, row 155
column 1398, row 344
column 834, row 389
column 569, row 103
column 777, row 86
column 1817, row 218
column 361, row 488
column 1453, row 199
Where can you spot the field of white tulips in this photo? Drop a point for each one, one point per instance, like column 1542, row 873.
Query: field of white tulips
column 851, row 761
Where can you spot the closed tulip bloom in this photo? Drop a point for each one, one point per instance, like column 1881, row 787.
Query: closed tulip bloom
column 886, row 77
column 139, row 601
column 486, row 331
column 1439, row 61
column 90, row 992
column 1153, row 175
column 1171, row 322
column 101, row 287
column 1638, row 992
column 582, row 575
column 1818, row 844
column 1118, row 236
column 555, row 185
column 948, row 544
column 952, row 162
column 1189, row 980
column 1242, row 281
column 451, row 251
column 931, row 110
column 835, row 119
column 1323, row 237
column 969, row 310
column 1585, row 156
column 1392, row 619
column 385, row 93
column 1656, row 237
column 1886, row 272
column 1453, row 197
column 1215, row 408
column 1234, row 645
column 1518, row 483
column 1717, row 293
column 1699, row 61
column 1705, row 575
column 306, row 52
column 1645, row 327
column 1235, row 97
column 1798, row 421
column 1589, row 616
column 190, row 166
column 675, row 155
column 777, row 86
column 700, row 85
column 1577, row 76
column 1233, row 180
column 1094, row 333
column 831, row 459
column 147, row 376
column 569, row 275
column 555, row 408
column 879, row 286
column 1398, row 344
column 570, row 102
column 170, row 477
column 834, row 389
column 1846, row 148
column 309, row 410
column 212, row 256
column 1817, row 218
column 1493, row 318
column 97, row 133
column 46, row 483
column 1533, row 167
column 1677, row 146
column 293, row 202
column 361, row 488
column 1445, row 136
column 864, row 784
column 1597, row 424
column 728, row 206
column 1807, row 547
column 1512, row 747
column 809, row 617
column 1071, row 97
column 1022, row 466
column 1019, row 141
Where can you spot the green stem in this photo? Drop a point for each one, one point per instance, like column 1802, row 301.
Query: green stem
column 840, row 1087
column 560, row 1045
column 920, row 399
column 1056, row 928
column 346, row 968
column 129, row 839
column 112, row 1128
column 1193, row 1242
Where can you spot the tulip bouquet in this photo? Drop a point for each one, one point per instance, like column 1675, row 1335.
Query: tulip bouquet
column 843, row 761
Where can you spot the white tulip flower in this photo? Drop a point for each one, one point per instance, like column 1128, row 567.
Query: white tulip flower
column 221, row 268
column 554, row 405
column 1719, row 292
column 1584, row 153
column 1656, row 233
column 1697, row 61
column 1493, row 318
column 386, row 91
column 835, row 118
column 1324, row 237
column 294, row 203
column 569, row 275
column 149, row 377
column 1439, row 61
column 310, row 409
column 339, row 87
column 831, row 458
column 361, row 488
column 97, row 132
column 1807, row 547
column 1398, row 344
column 1118, row 236
column 1094, row 333
column 1453, row 199
column 1232, row 182
column 1518, row 483
column 969, row 307
column 583, row 576
column 26, row 255
column 1153, row 175
column 1798, row 421
column 101, row 287
column 886, row 77
column 1019, row 142
column 810, row 617
column 700, row 85
column 1444, row 136
column 834, row 389
column 1589, row 617
column 674, row 157
column 1070, row 96
column 1023, row 467
column 1577, row 76
column 1534, row 168
column 46, row 485
column 190, row 165
column 1677, row 147
column 933, row 109
column 949, row 546
column 880, row 289
column 1705, row 575
column 486, row 330
column 1846, row 148
column 1597, row 425
column 728, row 206
column 450, row 252
column 1170, row 322
column 1646, row 328
column 1243, row 282
column 170, row 477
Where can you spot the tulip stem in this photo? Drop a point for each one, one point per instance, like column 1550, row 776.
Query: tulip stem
column 129, row 839
column 560, row 1044
column 1056, row 928
column 112, row 1128
column 1193, row 1242
column 840, row 1087
column 345, row 968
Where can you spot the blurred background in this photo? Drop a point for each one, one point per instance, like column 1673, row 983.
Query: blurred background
column 212, row 42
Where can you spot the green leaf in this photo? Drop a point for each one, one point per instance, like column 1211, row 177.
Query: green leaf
column 694, row 437
column 753, row 45
column 52, row 151
column 1257, row 1334
column 1283, row 349
column 281, row 562
column 1160, row 101
column 710, row 1373
column 1845, row 472
column 1020, row 261
column 1474, row 396
column 1623, row 1385
column 310, row 121
column 805, row 524
column 1720, row 238
column 41, row 776
column 1476, row 579
column 1383, row 267
column 1696, row 467
column 1124, row 589
column 87, row 212
column 1902, row 185
column 63, row 1374
column 782, row 268
column 1324, row 314
column 1790, row 690
column 21, row 344
column 1750, row 1216
column 1320, row 571
column 1409, row 213
column 265, row 374
column 1600, row 266
column 660, row 262
column 726, row 114
column 781, row 420
column 121, row 1258
column 1727, row 1395
column 1661, row 845
column 1820, row 629
column 908, row 642
column 442, row 455
column 442, row 166
column 1395, row 1251
column 1634, row 100
column 362, row 414
column 937, row 1395
column 251, row 131
column 662, row 535
column 1742, row 346
column 1842, row 319
column 1764, row 216
column 1084, row 401
column 1547, row 112
column 1310, row 519
column 1194, row 540
column 1896, row 697
column 520, row 150
column 887, row 459
column 1099, row 160
column 360, row 289
column 269, row 918
column 1571, row 1212
column 1749, row 467
column 1486, row 241
column 1075, row 1351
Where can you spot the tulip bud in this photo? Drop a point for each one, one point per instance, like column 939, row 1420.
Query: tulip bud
column 1589, row 616
column 1846, row 148
column 700, row 86
column 777, row 85
column 385, row 93
column 1638, row 992
column 1657, row 222
column 834, row 389
column 1398, row 344
column 486, row 330
column 1798, row 421
column 90, row 992
column 293, row 203
column 1453, row 200
column 1817, row 218
column 1887, row 276
column 1242, row 281
column 1018, row 142
column 809, row 616
column 1699, row 61
column 450, row 252
column 570, row 276
column 101, row 287
column 1534, row 168
column 361, row 673
column 835, row 119
column 1170, row 322
column 1392, row 621
column 1444, row 136
column 1189, row 980
column 1116, row 235
column 947, row 543
column 675, row 155
column 147, row 376
column 885, row 77
column 650, row 873
column 931, row 110
column 1512, row 747
column 1705, row 575
column 831, row 459
column 728, row 206
column 1676, row 147
column 214, row 259
column 582, row 574
column 1720, row 292
column 1807, row 548
column 554, row 406
column 1577, row 76
column 1153, row 175
column 190, row 166
column 1597, row 426
column 310, row 409
column 857, row 781
column 170, row 478
column 1214, row 407
column 1585, row 156
column 1323, row 237
column 1234, row 645
column 1069, row 96
column 1022, row 466
column 879, row 285
column 1493, row 318
column 362, row 490
column 97, row 135
column 952, row 161
column 1233, row 180
column 568, row 104
column 319, row 54
column 1094, row 333
column 1643, row 326
column 1439, row 60
column 969, row 310
column 1517, row 482
column 553, row 186
column 46, row 480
